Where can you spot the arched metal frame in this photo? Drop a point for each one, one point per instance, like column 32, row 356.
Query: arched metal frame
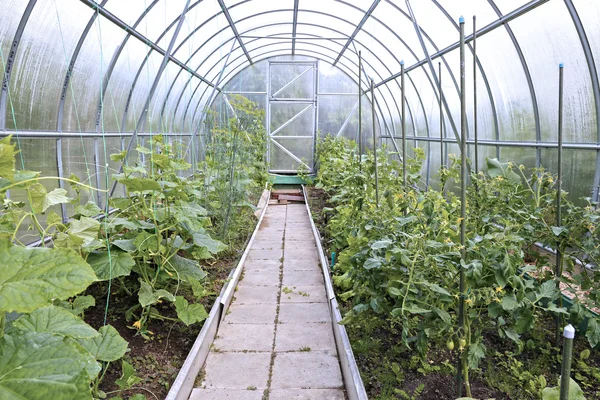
column 188, row 102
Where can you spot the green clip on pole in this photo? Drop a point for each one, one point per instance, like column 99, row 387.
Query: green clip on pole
column 332, row 259
column 565, row 371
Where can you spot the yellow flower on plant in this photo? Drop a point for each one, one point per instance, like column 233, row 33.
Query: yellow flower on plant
column 469, row 301
column 137, row 325
column 499, row 289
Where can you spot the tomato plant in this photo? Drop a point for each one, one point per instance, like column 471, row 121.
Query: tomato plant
column 401, row 258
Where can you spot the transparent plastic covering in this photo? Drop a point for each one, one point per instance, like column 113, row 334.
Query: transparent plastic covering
column 83, row 78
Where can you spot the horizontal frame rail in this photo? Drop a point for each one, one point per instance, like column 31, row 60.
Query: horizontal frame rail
column 483, row 142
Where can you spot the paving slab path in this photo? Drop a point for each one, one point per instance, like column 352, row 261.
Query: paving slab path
column 276, row 341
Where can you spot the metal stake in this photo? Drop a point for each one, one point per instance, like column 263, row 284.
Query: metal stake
column 403, row 108
column 359, row 108
column 559, row 253
column 565, row 370
column 463, row 192
column 375, row 143
column 442, row 161
column 475, row 92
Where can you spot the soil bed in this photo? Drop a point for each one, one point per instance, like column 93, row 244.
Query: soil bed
column 157, row 360
column 391, row 371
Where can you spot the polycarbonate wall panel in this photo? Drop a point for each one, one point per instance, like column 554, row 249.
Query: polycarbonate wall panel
column 589, row 13
column 159, row 18
column 9, row 22
column 115, row 100
column 144, row 82
column 402, row 28
column 543, row 56
column 157, row 123
column 129, row 11
column 578, row 171
column 81, row 101
column 509, row 87
column 41, row 63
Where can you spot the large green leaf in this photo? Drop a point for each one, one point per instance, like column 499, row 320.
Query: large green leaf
column 189, row 313
column 85, row 228
column 41, row 199
column 31, row 277
column 36, row 366
column 147, row 296
column 89, row 210
column 575, row 392
column 186, row 268
column 111, row 265
column 203, row 240
column 140, row 184
column 125, row 245
column 476, row 354
column 593, row 332
column 108, row 346
column 496, row 168
column 56, row 320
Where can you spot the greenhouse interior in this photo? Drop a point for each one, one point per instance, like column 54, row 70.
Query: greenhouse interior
column 300, row 199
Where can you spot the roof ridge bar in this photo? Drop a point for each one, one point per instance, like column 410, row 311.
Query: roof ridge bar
column 295, row 26
column 136, row 34
column 357, row 29
column 234, row 29
column 486, row 29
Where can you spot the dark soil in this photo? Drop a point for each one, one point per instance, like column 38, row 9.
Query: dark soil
column 391, row 371
column 157, row 360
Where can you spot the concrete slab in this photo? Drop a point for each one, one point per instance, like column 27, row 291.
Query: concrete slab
column 308, row 240
column 291, row 264
column 294, row 337
column 237, row 370
column 299, row 234
column 302, row 278
column 297, row 224
column 305, row 394
column 245, row 337
column 246, row 294
column 290, row 313
column 298, row 254
column 260, row 265
column 229, row 394
column 251, row 313
column 312, row 369
column 267, row 244
column 263, row 277
column 303, row 294
column 269, row 236
column 305, row 245
column 265, row 254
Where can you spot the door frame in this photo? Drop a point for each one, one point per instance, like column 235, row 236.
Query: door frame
column 314, row 66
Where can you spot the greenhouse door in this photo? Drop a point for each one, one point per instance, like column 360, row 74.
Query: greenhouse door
column 291, row 116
